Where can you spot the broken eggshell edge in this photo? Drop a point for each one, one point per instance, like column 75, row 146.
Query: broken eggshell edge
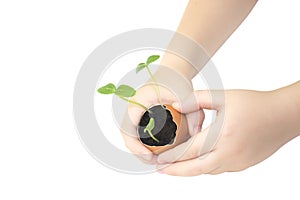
column 182, row 134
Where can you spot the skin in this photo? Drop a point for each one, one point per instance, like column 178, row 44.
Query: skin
column 253, row 124
column 227, row 15
column 209, row 23
column 129, row 127
column 147, row 96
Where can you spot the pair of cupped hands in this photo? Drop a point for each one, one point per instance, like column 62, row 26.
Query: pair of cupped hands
column 245, row 131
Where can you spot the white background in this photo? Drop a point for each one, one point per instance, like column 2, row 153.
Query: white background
column 42, row 47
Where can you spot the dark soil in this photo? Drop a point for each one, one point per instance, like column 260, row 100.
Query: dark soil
column 164, row 130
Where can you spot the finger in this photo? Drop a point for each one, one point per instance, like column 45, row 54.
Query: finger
column 153, row 161
column 216, row 171
column 193, row 167
column 132, row 142
column 188, row 150
column 147, row 96
column 195, row 121
column 201, row 99
column 137, row 148
column 223, row 169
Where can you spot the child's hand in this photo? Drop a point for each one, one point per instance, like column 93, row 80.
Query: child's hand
column 148, row 97
column 253, row 125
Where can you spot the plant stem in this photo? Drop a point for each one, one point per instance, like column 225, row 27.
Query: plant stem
column 151, row 135
column 136, row 103
column 156, row 84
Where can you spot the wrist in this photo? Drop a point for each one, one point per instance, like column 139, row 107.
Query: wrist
column 173, row 80
column 288, row 104
column 181, row 66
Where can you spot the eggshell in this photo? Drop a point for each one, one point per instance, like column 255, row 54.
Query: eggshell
column 181, row 133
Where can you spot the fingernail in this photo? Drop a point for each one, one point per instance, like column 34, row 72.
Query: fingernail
column 147, row 157
column 197, row 129
column 160, row 168
column 176, row 105
column 161, row 160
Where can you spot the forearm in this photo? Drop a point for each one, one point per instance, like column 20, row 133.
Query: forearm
column 288, row 104
column 209, row 23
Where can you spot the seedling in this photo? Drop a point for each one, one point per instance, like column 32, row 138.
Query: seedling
column 125, row 92
column 141, row 66
column 150, row 126
column 168, row 125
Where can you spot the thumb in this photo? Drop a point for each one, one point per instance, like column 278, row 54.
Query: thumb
column 200, row 99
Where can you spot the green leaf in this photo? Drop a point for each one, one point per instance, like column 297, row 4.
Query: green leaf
column 140, row 67
column 107, row 89
column 125, row 91
column 150, row 125
column 152, row 58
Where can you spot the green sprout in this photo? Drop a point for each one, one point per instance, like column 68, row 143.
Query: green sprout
column 141, row 66
column 150, row 126
column 125, row 92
